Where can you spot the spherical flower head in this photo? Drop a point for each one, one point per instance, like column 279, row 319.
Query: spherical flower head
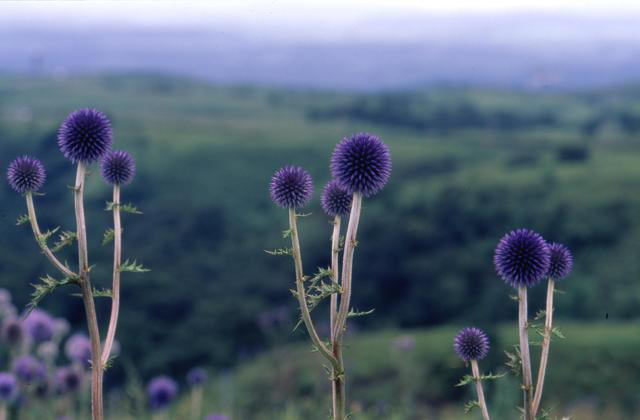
column 85, row 136
column 8, row 386
column 522, row 258
column 471, row 344
column 291, row 187
column 160, row 392
column 78, row 349
column 197, row 376
column 561, row 261
column 335, row 200
column 117, row 167
column 26, row 174
column 39, row 325
column 12, row 331
column 361, row 164
column 29, row 369
column 67, row 379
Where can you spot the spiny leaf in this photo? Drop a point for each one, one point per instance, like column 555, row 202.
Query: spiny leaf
column 354, row 313
column 514, row 297
column 556, row 331
column 468, row 406
column 22, row 219
column 513, row 361
column 133, row 267
column 96, row 293
column 109, row 362
column 286, row 233
column 303, row 214
column 108, row 236
column 466, row 379
column 280, row 251
column 65, row 238
column 540, row 314
column 47, row 285
column 318, row 290
column 127, row 208
column 43, row 238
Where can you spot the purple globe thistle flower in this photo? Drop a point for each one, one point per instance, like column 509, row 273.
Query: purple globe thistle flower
column 85, row 135
column 291, row 187
column 522, row 258
column 471, row 344
column 335, row 200
column 160, row 392
column 8, row 386
column 67, row 380
column 117, row 167
column 361, row 164
column 216, row 416
column 39, row 325
column 78, row 349
column 561, row 261
column 29, row 369
column 12, row 331
column 26, row 174
column 197, row 376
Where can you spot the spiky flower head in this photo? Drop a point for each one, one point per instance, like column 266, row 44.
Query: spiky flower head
column 117, row 167
column 8, row 386
column 471, row 344
column 561, row 261
column 291, row 187
column 160, row 392
column 522, row 258
column 39, row 324
column 26, row 174
column 78, row 349
column 67, row 379
column 197, row 376
column 361, row 164
column 335, row 200
column 85, row 135
column 12, row 331
column 29, row 369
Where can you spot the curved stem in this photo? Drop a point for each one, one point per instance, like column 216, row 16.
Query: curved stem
column 115, row 288
column 302, row 298
column 347, row 265
column 337, row 377
column 546, row 342
column 524, row 351
column 43, row 245
column 87, row 296
column 481, row 400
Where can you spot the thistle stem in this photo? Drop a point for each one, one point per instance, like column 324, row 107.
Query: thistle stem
column 524, row 352
column 481, row 400
column 335, row 254
column 43, row 245
column 87, row 296
column 301, row 295
column 337, row 380
column 115, row 289
column 546, row 342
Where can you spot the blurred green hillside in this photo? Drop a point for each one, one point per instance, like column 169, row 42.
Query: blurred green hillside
column 468, row 165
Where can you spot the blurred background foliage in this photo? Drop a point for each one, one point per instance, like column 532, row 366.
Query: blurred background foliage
column 468, row 166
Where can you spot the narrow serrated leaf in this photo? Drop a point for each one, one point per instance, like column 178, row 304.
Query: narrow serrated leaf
column 65, row 239
column 133, row 267
column 22, row 219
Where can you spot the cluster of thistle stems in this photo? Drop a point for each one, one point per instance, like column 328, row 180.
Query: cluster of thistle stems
column 99, row 351
column 339, row 306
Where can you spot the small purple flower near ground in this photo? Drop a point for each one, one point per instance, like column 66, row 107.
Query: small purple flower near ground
column 291, row 187
column 361, row 163
column 522, row 258
column 78, row 349
column 335, row 200
column 26, row 174
column 197, row 376
column 471, row 344
column 160, row 392
column 8, row 386
column 12, row 331
column 85, row 136
column 117, row 167
column 39, row 324
column 561, row 261
column 67, row 379
column 29, row 369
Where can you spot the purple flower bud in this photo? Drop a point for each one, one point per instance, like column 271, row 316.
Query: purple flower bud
column 85, row 135
column 28, row 369
column 117, row 167
column 291, row 187
column 196, row 376
column 26, row 174
column 160, row 392
column 471, row 344
column 561, row 261
column 78, row 349
column 8, row 386
column 12, row 331
column 335, row 200
column 39, row 325
column 361, row 164
column 522, row 258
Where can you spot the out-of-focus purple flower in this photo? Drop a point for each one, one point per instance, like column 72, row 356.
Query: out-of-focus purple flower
column 5, row 296
column 216, row 416
column 85, row 136
column 160, row 392
column 335, row 200
column 404, row 343
column 471, row 344
column 361, row 164
column 26, row 174
column 522, row 258
column 8, row 386
column 561, row 261
column 117, row 167
column 291, row 187
column 47, row 350
column 60, row 328
column 39, row 324
column 78, row 349
column 12, row 331
column 197, row 376
column 28, row 369
column 67, row 379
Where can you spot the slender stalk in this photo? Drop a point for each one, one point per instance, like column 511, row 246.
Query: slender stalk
column 546, row 342
column 524, row 352
column 43, row 246
column 337, row 377
column 481, row 400
column 335, row 254
column 3, row 411
column 302, row 298
column 196, row 402
column 115, row 288
column 87, row 296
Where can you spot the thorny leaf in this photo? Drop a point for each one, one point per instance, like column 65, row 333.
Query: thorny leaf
column 280, row 251
column 127, row 208
column 108, row 236
column 43, row 238
column 318, row 290
column 467, row 379
column 65, row 239
column 47, row 285
column 22, row 219
column 514, row 361
column 468, row 406
column 133, row 267
column 355, row 313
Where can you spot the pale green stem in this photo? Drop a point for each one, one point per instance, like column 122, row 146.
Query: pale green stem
column 196, row 402
column 546, row 342
column 524, row 352
column 481, row 400
column 115, row 288
column 337, row 383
